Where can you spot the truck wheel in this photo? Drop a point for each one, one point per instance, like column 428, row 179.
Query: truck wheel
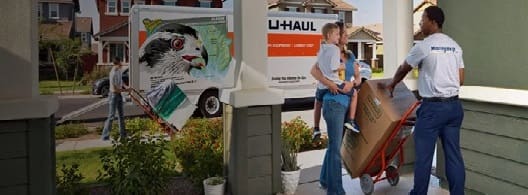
column 209, row 104
column 105, row 90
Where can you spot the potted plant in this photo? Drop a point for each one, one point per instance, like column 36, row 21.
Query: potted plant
column 290, row 170
column 214, row 186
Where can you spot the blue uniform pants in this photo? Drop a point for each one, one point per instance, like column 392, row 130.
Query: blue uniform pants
column 438, row 119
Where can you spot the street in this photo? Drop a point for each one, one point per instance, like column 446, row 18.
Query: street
column 68, row 104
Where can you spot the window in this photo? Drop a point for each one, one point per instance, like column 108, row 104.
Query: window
column 205, row 4
column 341, row 16
column 117, row 50
column 111, row 7
column 138, row 2
column 291, row 9
column 125, row 6
column 169, row 2
column 319, row 10
column 84, row 37
column 54, row 11
column 39, row 10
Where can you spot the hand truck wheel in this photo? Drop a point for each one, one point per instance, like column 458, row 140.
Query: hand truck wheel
column 367, row 184
column 393, row 177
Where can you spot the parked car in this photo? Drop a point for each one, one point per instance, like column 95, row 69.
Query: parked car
column 102, row 86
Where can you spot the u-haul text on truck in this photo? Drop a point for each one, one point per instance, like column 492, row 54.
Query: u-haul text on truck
column 182, row 56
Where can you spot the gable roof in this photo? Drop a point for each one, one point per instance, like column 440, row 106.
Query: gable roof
column 83, row 24
column 111, row 29
column 425, row 3
column 358, row 29
column 55, row 31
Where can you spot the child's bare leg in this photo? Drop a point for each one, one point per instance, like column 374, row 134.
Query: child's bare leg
column 353, row 106
column 317, row 113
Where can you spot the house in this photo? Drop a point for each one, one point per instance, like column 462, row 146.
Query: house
column 367, row 40
column 113, row 30
column 339, row 7
column 84, row 30
column 56, row 22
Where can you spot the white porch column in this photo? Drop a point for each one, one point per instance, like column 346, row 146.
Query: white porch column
column 256, row 109
column 374, row 57
column 360, row 50
column 397, row 33
column 100, row 52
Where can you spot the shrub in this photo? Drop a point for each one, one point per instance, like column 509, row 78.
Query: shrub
column 199, row 149
column 289, row 156
column 136, row 166
column 98, row 73
column 68, row 182
column 70, row 130
column 297, row 133
column 135, row 126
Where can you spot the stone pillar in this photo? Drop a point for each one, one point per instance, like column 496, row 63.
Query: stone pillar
column 27, row 144
column 253, row 148
column 397, row 34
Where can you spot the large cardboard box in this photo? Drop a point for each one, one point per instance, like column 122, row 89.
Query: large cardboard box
column 377, row 115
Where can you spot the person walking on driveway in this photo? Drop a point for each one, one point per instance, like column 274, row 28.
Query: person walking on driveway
column 115, row 100
column 441, row 73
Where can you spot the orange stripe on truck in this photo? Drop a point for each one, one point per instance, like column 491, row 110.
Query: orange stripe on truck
column 279, row 45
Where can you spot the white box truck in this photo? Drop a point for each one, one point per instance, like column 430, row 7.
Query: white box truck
column 194, row 49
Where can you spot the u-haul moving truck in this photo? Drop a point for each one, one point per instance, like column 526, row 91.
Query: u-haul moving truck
column 194, row 48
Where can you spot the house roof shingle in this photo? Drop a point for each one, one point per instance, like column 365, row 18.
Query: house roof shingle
column 83, row 24
column 55, row 31
column 111, row 29
column 56, row 1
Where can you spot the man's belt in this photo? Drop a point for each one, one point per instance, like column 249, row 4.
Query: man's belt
column 440, row 99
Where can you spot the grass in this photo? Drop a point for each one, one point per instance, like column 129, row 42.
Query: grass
column 51, row 86
column 88, row 161
column 377, row 75
column 90, row 164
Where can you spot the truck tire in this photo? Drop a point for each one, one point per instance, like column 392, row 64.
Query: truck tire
column 209, row 104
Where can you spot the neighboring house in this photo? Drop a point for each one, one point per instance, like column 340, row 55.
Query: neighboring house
column 113, row 21
column 368, row 39
column 84, row 30
column 339, row 7
column 56, row 22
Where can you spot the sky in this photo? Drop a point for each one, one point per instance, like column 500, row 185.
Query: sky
column 369, row 11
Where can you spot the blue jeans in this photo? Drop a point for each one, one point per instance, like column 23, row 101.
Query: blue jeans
column 438, row 119
column 330, row 178
column 115, row 103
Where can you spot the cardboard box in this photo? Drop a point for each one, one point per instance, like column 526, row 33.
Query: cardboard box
column 377, row 115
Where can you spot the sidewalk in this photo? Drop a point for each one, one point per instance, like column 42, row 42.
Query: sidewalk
column 310, row 163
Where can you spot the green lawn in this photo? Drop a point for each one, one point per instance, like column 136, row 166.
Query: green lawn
column 377, row 75
column 51, row 86
column 89, row 162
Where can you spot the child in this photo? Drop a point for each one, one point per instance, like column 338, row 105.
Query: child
column 328, row 60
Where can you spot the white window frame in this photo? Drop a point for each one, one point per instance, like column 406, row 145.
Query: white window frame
column 139, row 2
column 56, row 6
column 169, row 2
column 123, row 7
column 341, row 16
column 292, row 8
column 108, row 12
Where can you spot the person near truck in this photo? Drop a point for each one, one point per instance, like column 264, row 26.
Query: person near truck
column 441, row 73
column 351, row 74
column 115, row 100
column 335, row 107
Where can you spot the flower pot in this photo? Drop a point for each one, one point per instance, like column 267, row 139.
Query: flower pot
column 214, row 186
column 290, row 180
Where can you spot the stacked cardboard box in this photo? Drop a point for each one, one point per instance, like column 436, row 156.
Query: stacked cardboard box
column 377, row 116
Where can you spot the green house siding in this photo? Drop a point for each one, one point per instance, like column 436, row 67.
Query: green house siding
column 492, row 34
column 494, row 142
